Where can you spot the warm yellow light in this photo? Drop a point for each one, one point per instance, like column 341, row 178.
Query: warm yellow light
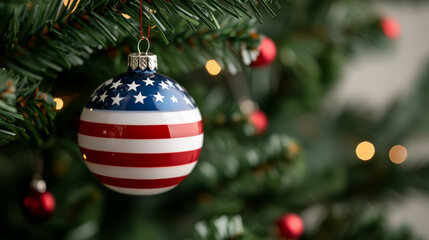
column 66, row 3
column 84, row 156
column 213, row 67
column 365, row 151
column 398, row 154
column 126, row 16
column 58, row 103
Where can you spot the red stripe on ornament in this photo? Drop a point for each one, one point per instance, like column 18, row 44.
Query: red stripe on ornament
column 140, row 159
column 140, row 131
column 140, row 183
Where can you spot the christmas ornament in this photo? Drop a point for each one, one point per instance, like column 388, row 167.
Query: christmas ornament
column 140, row 133
column 259, row 120
column 39, row 203
column 391, row 27
column 267, row 53
column 290, row 226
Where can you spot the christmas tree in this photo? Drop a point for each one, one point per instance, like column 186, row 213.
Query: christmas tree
column 257, row 70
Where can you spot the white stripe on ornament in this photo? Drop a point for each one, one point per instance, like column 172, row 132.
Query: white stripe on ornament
column 136, row 191
column 141, row 173
column 141, row 145
column 140, row 117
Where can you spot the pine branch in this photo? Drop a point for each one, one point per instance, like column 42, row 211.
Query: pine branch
column 242, row 157
column 223, row 227
column 8, row 112
column 24, row 111
column 45, row 37
column 42, row 38
column 226, row 45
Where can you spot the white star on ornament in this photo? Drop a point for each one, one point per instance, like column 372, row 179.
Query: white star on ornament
column 174, row 99
column 159, row 97
column 179, row 87
column 116, row 99
column 116, row 84
column 103, row 96
column 93, row 98
column 187, row 100
column 163, row 85
column 133, row 86
column 148, row 82
column 140, row 98
column 108, row 82
column 169, row 83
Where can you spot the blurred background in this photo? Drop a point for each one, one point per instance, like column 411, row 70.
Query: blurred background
column 372, row 82
column 314, row 114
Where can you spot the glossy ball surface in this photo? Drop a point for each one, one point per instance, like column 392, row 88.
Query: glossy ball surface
column 267, row 53
column 39, row 205
column 140, row 133
column 259, row 121
column 391, row 27
column 290, row 226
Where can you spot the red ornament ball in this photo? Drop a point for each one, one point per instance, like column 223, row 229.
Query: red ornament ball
column 259, row 120
column 290, row 226
column 391, row 27
column 267, row 53
column 39, row 205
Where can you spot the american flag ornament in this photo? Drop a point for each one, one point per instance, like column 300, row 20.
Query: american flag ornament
column 141, row 132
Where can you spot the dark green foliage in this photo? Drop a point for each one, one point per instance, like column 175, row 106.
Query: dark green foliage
column 223, row 227
column 8, row 112
column 25, row 111
column 42, row 38
column 304, row 163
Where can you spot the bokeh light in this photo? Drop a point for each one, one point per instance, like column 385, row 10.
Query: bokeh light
column 247, row 106
column 213, row 67
column 365, row 151
column 59, row 103
column 126, row 16
column 398, row 154
column 66, row 3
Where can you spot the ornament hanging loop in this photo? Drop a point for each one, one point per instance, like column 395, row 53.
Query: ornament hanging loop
column 148, row 45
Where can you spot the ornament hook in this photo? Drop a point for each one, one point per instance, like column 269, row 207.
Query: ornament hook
column 148, row 45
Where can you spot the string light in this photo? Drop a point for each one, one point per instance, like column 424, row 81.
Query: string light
column 365, row 151
column 398, row 154
column 247, row 106
column 84, row 156
column 59, row 103
column 126, row 16
column 213, row 67
column 66, row 3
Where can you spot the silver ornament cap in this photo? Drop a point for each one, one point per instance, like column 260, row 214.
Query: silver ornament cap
column 38, row 185
column 143, row 61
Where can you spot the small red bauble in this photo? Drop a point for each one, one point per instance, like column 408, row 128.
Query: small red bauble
column 260, row 121
column 391, row 27
column 290, row 226
column 39, row 205
column 267, row 53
